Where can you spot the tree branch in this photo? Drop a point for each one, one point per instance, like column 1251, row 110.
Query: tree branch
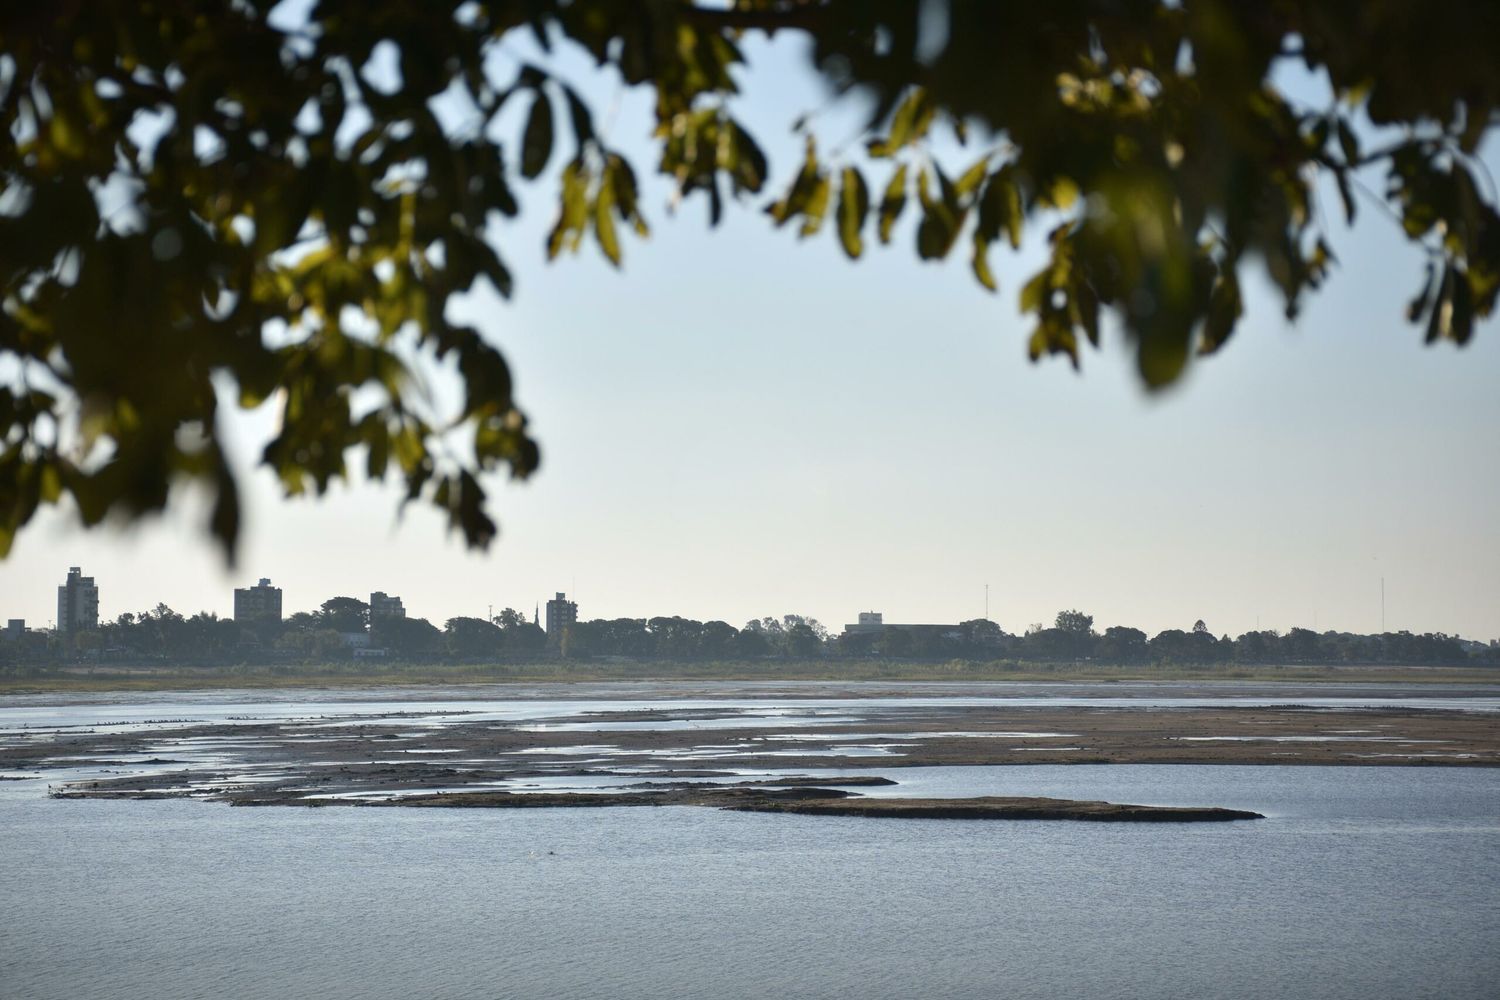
column 802, row 15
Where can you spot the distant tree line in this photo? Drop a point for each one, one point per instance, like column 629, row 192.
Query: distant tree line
column 1073, row 637
column 339, row 627
column 343, row 625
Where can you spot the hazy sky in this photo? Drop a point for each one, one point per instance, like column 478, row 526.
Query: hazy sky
column 742, row 425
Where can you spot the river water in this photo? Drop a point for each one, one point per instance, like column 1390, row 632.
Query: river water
column 1365, row 882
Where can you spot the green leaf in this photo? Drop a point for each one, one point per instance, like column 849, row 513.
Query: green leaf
column 574, row 211
column 224, row 519
column 1083, row 309
column 749, row 162
column 716, row 201
column 1013, row 216
column 1161, row 357
column 970, row 179
column 1000, row 208
column 1468, row 199
column 1461, row 323
column 1061, row 194
column 378, row 455
column 1318, row 137
column 941, row 221
column 912, row 120
column 621, row 177
column 49, row 484
column 854, row 205
column 798, row 195
column 536, row 141
column 604, row 223
column 1417, row 308
column 817, row 205
column 489, row 264
column 935, row 235
column 1224, row 311
column 1052, row 336
column 892, row 202
column 1034, row 292
column 466, row 512
column 981, row 263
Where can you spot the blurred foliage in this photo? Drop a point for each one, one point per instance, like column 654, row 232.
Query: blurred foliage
column 217, row 200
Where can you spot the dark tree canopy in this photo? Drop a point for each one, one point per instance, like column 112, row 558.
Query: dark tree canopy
column 1074, row 621
column 215, row 202
column 344, row 614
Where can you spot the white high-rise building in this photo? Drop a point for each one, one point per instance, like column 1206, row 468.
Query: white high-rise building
column 77, row 602
column 562, row 614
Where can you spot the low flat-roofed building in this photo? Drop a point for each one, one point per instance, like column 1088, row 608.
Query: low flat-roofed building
column 870, row 623
column 873, row 623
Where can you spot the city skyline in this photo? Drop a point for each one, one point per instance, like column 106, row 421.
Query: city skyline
column 264, row 601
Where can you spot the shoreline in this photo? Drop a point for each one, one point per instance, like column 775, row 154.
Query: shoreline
column 1288, row 688
column 827, row 796
column 105, row 681
column 697, row 755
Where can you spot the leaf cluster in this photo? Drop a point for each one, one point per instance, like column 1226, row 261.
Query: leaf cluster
column 213, row 202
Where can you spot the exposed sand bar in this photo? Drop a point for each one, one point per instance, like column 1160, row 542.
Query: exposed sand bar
column 696, row 755
column 822, row 800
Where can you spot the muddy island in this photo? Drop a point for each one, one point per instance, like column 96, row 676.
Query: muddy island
column 831, row 801
column 828, row 759
column 826, row 797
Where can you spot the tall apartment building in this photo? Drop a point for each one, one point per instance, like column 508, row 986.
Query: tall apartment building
column 77, row 602
column 259, row 603
column 561, row 614
column 385, row 606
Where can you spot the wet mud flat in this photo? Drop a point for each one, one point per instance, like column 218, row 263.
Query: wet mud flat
column 828, row 797
column 752, row 759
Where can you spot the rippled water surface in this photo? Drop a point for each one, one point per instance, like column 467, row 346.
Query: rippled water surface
column 1363, row 882
column 720, row 702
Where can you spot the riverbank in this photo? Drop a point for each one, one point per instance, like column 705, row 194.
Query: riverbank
column 343, row 676
column 827, row 799
column 760, row 753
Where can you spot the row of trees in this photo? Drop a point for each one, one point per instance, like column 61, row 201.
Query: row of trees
column 342, row 624
column 1073, row 637
column 332, row 632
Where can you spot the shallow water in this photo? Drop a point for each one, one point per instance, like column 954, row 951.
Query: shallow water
column 1363, row 882
column 520, row 703
column 1369, row 882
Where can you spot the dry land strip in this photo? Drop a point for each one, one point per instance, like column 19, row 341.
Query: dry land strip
column 809, row 761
